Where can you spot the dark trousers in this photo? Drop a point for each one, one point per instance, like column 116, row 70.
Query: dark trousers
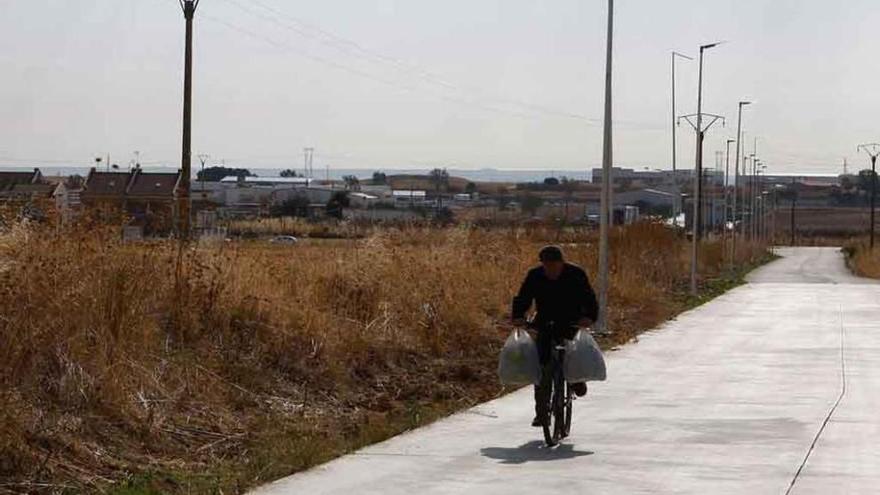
column 548, row 336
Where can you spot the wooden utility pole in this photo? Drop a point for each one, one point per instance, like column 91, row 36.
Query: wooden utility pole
column 183, row 210
column 607, row 165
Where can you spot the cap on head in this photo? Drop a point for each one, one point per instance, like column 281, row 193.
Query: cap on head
column 550, row 253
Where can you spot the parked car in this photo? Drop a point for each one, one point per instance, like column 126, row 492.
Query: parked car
column 284, row 239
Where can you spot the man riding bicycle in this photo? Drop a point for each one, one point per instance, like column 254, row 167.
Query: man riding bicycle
column 564, row 301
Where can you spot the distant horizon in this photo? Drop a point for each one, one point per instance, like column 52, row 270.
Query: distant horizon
column 485, row 174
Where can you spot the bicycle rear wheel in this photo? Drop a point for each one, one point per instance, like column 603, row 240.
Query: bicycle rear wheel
column 550, row 418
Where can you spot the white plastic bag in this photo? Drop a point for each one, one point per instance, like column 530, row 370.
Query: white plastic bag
column 518, row 363
column 583, row 360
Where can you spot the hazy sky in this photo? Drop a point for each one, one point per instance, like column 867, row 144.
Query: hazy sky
column 417, row 83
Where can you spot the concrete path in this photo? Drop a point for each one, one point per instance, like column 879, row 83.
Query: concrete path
column 808, row 265
column 728, row 398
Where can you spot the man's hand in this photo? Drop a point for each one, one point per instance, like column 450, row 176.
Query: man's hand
column 518, row 322
column 584, row 323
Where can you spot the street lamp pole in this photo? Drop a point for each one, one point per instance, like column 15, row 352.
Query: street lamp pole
column 745, row 196
column 698, row 173
column 736, row 172
column 765, row 203
column 756, row 180
column 677, row 204
column 751, row 193
column 774, row 219
column 872, row 149
column 727, row 211
column 607, row 160
column 873, row 195
column 759, row 201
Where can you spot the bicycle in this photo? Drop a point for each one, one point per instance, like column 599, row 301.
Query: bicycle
column 557, row 421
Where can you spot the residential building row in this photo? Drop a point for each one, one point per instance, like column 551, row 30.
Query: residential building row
column 151, row 198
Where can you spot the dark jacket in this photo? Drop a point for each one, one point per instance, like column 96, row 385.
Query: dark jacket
column 563, row 301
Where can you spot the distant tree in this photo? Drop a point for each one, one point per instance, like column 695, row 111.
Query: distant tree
column 440, row 179
column 379, row 178
column 530, row 203
column 470, row 188
column 289, row 173
column 866, row 180
column 337, row 203
column 846, row 182
column 298, row 206
column 352, row 183
column 215, row 174
column 568, row 186
column 551, row 181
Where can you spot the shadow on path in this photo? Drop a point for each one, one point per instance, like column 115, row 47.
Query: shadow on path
column 534, row 451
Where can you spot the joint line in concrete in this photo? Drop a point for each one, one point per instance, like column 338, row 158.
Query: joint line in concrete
column 831, row 411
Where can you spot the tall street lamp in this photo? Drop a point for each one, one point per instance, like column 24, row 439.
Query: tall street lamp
column 736, row 172
column 745, row 196
column 698, row 173
column 727, row 211
column 756, row 172
column 764, row 205
column 700, row 134
column 753, row 161
column 755, row 192
column 872, row 149
column 759, row 197
column 676, row 204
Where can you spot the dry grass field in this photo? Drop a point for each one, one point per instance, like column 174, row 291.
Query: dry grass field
column 210, row 368
column 862, row 260
column 812, row 222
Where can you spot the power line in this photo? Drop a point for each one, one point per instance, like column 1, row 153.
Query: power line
column 633, row 125
column 360, row 73
column 354, row 48
column 303, row 28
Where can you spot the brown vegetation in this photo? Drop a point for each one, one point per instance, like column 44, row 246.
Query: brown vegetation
column 294, row 226
column 183, row 368
column 862, row 260
column 811, row 222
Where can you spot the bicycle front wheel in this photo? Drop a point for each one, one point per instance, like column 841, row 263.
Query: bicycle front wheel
column 561, row 409
column 558, row 420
